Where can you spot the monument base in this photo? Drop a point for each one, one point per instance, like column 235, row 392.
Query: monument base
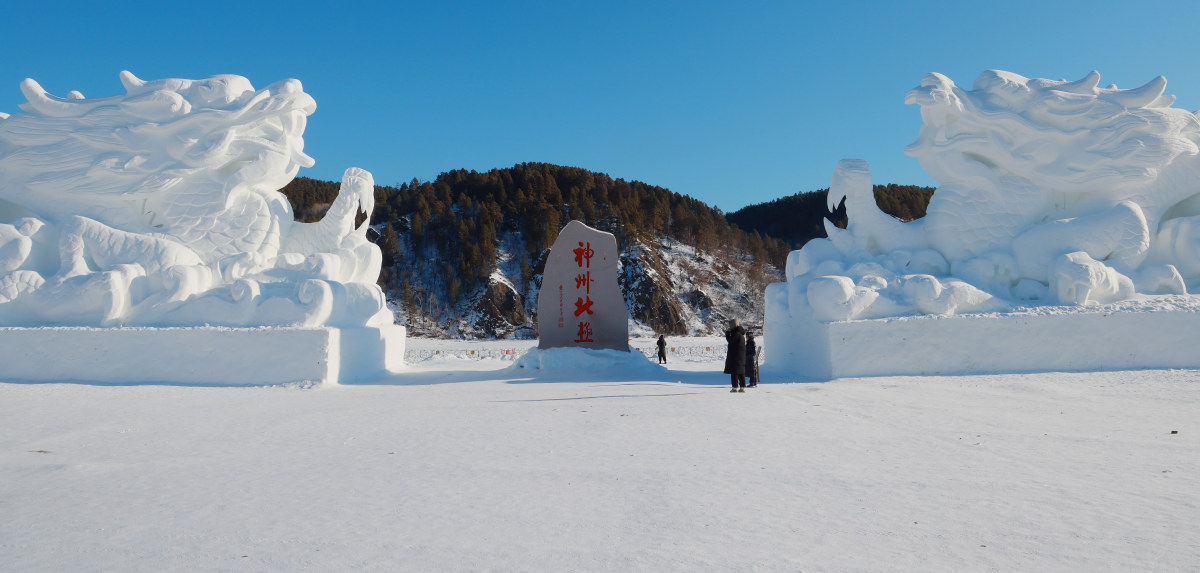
column 1110, row 337
column 202, row 356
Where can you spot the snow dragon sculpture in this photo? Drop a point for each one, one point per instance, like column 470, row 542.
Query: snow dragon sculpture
column 160, row 206
column 1050, row 192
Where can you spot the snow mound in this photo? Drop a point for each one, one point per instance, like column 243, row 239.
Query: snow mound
column 593, row 364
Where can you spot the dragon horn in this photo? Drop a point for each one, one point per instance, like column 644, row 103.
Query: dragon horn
column 40, row 101
column 32, row 89
column 1139, row 97
column 1087, row 85
column 130, row 81
column 53, row 106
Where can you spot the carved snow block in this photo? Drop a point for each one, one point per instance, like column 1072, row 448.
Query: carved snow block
column 580, row 303
column 1092, row 339
column 200, row 356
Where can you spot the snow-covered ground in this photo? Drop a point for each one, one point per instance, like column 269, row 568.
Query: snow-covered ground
column 465, row 463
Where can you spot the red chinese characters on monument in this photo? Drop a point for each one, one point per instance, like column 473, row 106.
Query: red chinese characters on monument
column 584, row 254
column 583, row 265
column 560, row 306
column 583, row 259
column 584, row 281
column 585, row 332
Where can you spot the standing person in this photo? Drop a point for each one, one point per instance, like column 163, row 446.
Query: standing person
column 735, row 359
column 751, row 359
column 662, row 349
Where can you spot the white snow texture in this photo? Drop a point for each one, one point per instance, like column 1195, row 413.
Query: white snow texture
column 469, row 465
column 1051, row 194
column 160, row 207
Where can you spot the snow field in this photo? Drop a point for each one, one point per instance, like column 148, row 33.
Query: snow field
column 458, row 465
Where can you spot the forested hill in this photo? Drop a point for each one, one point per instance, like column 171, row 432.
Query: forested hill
column 473, row 242
column 796, row 219
column 538, row 199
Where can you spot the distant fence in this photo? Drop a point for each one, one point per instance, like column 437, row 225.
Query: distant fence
column 476, row 351
column 704, row 349
column 684, row 350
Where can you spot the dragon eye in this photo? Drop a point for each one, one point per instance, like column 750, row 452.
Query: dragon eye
column 210, row 92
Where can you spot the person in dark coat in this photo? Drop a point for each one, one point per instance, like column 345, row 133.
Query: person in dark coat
column 662, row 349
column 735, row 359
column 751, row 360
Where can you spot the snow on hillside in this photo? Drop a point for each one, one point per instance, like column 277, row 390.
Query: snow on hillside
column 669, row 286
column 464, row 464
column 714, row 288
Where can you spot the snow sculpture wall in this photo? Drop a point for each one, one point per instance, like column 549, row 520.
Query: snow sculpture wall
column 160, row 207
column 1050, row 193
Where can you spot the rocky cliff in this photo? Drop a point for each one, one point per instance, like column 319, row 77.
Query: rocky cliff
column 669, row 288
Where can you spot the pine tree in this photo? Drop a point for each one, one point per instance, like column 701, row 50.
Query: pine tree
column 389, row 244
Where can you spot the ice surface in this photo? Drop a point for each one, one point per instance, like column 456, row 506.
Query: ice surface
column 1050, row 193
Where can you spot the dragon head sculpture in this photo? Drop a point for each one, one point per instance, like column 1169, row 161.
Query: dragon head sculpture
column 175, row 156
column 161, row 206
column 1070, row 137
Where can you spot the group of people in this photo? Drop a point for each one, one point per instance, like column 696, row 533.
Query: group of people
column 741, row 359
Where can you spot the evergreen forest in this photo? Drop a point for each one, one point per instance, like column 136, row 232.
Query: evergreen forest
column 797, row 219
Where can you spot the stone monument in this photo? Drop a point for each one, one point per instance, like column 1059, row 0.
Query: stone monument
column 144, row 238
column 580, row 303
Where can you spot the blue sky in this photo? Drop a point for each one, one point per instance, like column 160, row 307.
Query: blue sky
column 731, row 103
